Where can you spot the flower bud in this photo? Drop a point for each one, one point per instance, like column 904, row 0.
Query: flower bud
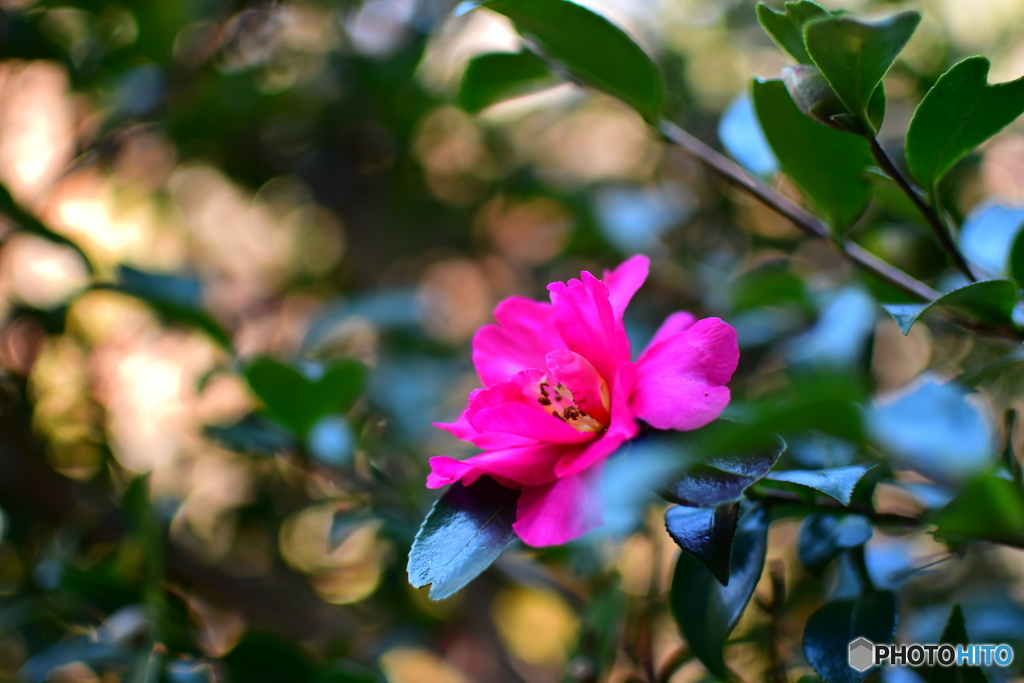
column 816, row 99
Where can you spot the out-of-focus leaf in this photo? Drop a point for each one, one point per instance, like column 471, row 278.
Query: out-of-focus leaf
column 831, row 629
column 602, row 628
column 264, row 658
column 1016, row 265
column 841, row 334
column 705, row 533
column 824, row 535
column 989, row 301
column 253, row 435
column 989, row 508
column 772, row 285
column 837, row 483
column 854, row 54
column 955, row 633
column 744, row 140
column 496, row 76
column 464, row 533
column 590, row 48
column 787, row 28
column 829, row 165
column 988, row 237
column 956, row 115
column 298, row 401
column 723, row 477
column 705, row 610
column 935, row 431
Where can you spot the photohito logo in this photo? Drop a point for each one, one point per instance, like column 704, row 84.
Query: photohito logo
column 864, row 654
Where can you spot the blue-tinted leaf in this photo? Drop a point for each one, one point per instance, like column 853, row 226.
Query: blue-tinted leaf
column 832, row 628
column 497, row 76
column 824, row 535
column 464, row 533
column 741, row 135
column 841, row 333
column 722, row 478
column 252, row 434
column 705, row 610
column 838, row 482
column 987, row 236
column 787, row 28
column 935, row 431
column 705, row 533
column 990, row 302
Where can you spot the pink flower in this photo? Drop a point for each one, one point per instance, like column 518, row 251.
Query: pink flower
column 561, row 395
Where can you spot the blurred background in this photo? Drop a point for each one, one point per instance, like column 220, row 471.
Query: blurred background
column 195, row 184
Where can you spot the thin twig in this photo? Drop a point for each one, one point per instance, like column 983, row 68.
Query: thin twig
column 931, row 215
column 776, row 665
column 675, row 661
column 801, row 218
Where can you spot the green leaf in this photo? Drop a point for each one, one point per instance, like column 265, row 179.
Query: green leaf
column 824, row 535
column 705, row 533
column 990, row 508
column 264, row 658
column 955, row 633
column 252, row 435
column 705, row 610
column 832, row 628
column 590, row 48
column 723, row 477
column 298, row 401
column 827, row 164
column 496, row 76
column 989, row 301
column 959, row 113
column 854, row 55
column 464, row 533
column 787, row 28
column 837, row 482
column 1017, row 258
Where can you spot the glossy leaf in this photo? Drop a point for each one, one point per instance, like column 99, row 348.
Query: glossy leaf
column 955, row 633
column 590, row 48
column 705, row 610
column 989, row 301
column 854, row 55
column 837, row 482
column 990, row 508
column 827, row 164
column 957, row 114
column 831, row 629
column 824, row 535
column 464, row 533
column 496, row 76
column 298, row 401
column 705, row 533
column 787, row 28
column 722, row 478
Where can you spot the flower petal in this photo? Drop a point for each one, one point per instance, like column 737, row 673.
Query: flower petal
column 560, row 511
column 677, row 322
column 511, row 407
column 513, row 467
column 463, row 430
column 624, row 281
column 588, row 325
column 680, row 380
column 579, row 376
column 524, row 335
column 622, row 428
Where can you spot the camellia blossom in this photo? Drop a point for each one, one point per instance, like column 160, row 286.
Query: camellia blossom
column 561, row 394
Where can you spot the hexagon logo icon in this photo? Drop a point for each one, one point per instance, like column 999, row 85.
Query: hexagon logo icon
column 862, row 654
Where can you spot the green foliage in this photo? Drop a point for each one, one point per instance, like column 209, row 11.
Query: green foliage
column 298, row 401
column 496, row 76
column 956, row 115
column 834, row 625
column 730, row 467
column 828, row 165
column 787, row 28
column 955, row 633
column 464, row 533
column 990, row 508
column 853, row 56
column 593, row 50
column 989, row 302
column 706, row 610
column 824, row 535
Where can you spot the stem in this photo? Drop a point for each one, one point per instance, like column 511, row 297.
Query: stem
column 930, row 213
column 674, row 662
column 776, row 667
column 802, row 219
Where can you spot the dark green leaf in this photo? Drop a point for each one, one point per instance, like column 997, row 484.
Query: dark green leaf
column 298, row 401
column 989, row 301
column 955, row 633
column 854, row 54
column 590, row 48
column 829, row 165
column 264, row 658
column 602, row 629
column 990, row 508
column 838, row 482
column 959, row 113
column 824, row 535
column 832, row 628
column 496, row 76
column 464, row 533
column 705, row 533
column 252, row 435
column 705, row 610
column 723, row 477
column 787, row 28
column 1017, row 258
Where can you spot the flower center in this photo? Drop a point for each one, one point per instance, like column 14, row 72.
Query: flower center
column 557, row 400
